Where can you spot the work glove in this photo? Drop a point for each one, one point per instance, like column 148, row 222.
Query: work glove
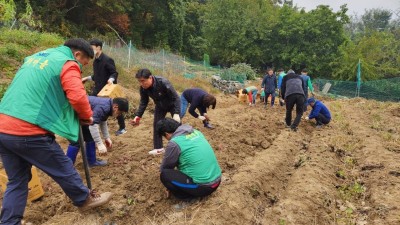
column 108, row 143
column 207, row 117
column 110, row 81
column 102, row 149
column 135, row 121
column 307, row 118
column 202, row 118
column 176, row 118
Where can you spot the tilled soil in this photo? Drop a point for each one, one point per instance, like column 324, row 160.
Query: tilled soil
column 345, row 173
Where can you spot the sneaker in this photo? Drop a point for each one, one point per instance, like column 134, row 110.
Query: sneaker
column 95, row 200
column 185, row 203
column 294, row 129
column 120, row 132
column 318, row 126
column 157, row 151
column 207, row 125
column 98, row 162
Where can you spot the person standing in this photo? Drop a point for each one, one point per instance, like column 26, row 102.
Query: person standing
column 319, row 112
column 308, row 85
column 46, row 97
column 102, row 109
column 269, row 84
column 293, row 94
column 281, row 73
column 251, row 92
column 198, row 99
column 165, row 98
column 104, row 73
column 198, row 173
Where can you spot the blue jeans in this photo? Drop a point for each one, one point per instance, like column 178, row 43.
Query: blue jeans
column 184, row 106
column 254, row 95
column 18, row 154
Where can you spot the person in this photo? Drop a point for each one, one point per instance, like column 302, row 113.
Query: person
column 198, row 173
column 165, row 98
column 198, row 99
column 252, row 93
column 293, row 94
column 319, row 112
column 269, row 84
column 104, row 73
column 102, row 108
column 308, row 85
column 39, row 103
column 281, row 73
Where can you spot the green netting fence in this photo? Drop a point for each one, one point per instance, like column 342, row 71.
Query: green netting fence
column 161, row 60
column 381, row 90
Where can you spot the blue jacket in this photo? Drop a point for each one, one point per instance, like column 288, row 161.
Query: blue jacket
column 318, row 108
column 269, row 83
column 101, row 107
column 195, row 97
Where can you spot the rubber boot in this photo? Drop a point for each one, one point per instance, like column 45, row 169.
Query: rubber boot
column 72, row 152
column 91, row 155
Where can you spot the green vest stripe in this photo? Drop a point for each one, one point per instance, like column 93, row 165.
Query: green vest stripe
column 36, row 95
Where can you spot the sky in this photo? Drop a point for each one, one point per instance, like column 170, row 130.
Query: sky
column 355, row 6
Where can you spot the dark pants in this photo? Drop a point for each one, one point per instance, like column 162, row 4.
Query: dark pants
column 87, row 136
column 291, row 100
column 18, row 154
column 305, row 102
column 321, row 119
column 272, row 98
column 182, row 186
column 159, row 114
column 121, row 122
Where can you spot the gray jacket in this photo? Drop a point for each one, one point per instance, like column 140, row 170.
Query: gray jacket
column 173, row 151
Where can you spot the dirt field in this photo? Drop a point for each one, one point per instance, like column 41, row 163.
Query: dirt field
column 345, row 173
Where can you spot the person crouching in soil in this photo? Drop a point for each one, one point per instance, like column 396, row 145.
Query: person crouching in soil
column 252, row 93
column 198, row 99
column 198, row 173
column 319, row 112
column 102, row 108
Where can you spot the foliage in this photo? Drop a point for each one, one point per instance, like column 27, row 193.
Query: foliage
column 243, row 68
column 17, row 44
column 7, row 10
column 379, row 55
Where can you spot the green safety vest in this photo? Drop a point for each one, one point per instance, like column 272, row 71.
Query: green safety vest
column 251, row 88
column 37, row 97
column 197, row 159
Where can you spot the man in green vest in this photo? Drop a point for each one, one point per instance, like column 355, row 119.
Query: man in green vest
column 198, row 173
column 46, row 97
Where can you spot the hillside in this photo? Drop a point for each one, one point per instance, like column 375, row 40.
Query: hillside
column 345, row 173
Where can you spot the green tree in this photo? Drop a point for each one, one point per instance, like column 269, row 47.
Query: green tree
column 379, row 55
column 376, row 19
column 309, row 39
column 7, row 10
column 237, row 30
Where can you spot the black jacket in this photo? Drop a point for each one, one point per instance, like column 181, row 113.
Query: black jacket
column 103, row 69
column 163, row 94
column 292, row 84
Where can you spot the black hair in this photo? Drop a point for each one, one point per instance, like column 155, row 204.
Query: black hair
column 269, row 69
column 280, row 70
column 123, row 104
column 166, row 125
column 97, row 43
column 244, row 91
column 209, row 100
column 304, row 70
column 80, row 44
column 143, row 73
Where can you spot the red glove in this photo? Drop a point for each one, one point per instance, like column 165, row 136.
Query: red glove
column 135, row 121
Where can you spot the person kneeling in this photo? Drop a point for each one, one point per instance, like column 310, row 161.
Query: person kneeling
column 319, row 111
column 198, row 173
